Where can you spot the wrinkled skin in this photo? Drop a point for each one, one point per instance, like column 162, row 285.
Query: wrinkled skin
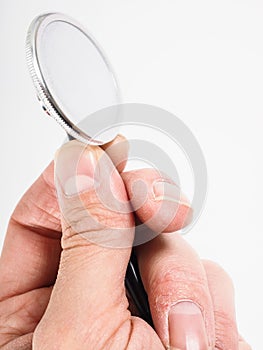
column 59, row 290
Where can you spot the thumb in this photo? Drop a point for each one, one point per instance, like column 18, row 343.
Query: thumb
column 89, row 294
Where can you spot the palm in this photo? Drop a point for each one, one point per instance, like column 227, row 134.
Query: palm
column 21, row 314
column 25, row 312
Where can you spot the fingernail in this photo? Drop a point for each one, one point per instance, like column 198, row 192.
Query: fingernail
column 187, row 327
column 164, row 190
column 75, row 165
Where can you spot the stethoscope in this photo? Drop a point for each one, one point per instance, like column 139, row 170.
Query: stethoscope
column 73, row 80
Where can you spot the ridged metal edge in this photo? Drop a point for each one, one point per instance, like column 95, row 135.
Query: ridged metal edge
column 47, row 104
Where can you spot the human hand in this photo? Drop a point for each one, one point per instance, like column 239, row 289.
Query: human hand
column 68, row 292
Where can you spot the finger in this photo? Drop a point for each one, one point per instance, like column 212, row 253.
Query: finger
column 96, row 245
column 243, row 345
column 179, row 298
column 157, row 200
column 31, row 250
column 222, row 293
column 165, row 204
column 118, row 150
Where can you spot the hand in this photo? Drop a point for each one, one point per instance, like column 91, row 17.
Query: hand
column 67, row 292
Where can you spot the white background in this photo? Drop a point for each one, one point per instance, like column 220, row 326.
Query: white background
column 201, row 60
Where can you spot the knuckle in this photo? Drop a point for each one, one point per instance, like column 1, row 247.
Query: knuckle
column 178, row 282
column 216, row 272
column 244, row 345
column 38, row 211
column 94, row 222
column 90, row 210
column 212, row 266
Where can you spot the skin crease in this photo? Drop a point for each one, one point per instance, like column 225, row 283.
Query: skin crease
column 84, row 305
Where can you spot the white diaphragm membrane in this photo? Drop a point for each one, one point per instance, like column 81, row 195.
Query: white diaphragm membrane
column 73, row 78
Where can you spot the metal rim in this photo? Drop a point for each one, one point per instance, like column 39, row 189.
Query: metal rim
column 48, row 102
